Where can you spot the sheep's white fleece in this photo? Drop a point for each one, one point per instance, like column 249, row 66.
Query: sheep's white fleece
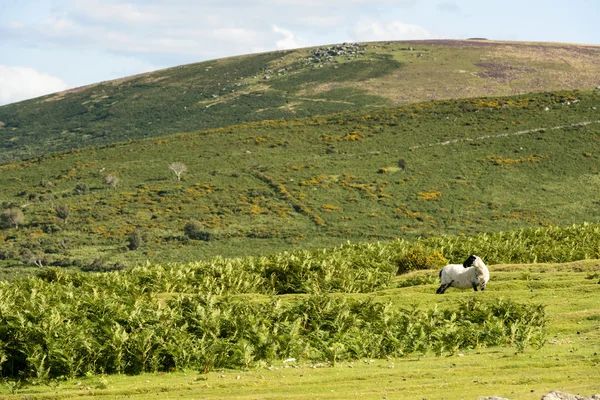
column 463, row 278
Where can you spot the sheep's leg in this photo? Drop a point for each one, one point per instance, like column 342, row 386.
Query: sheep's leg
column 482, row 287
column 443, row 288
column 474, row 284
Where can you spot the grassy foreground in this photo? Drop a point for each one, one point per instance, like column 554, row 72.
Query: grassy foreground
column 568, row 361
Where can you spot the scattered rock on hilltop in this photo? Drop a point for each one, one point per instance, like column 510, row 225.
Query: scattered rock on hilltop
column 558, row 395
column 553, row 395
column 491, row 398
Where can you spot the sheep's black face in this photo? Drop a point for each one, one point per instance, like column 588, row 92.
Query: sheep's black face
column 469, row 261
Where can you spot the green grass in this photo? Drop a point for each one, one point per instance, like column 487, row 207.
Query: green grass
column 234, row 90
column 271, row 186
column 504, row 177
column 567, row 361
column 330, row 305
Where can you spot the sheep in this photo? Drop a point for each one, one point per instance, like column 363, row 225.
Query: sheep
column 472, row 273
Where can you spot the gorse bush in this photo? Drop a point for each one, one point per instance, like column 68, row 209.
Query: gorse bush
column 420, row 258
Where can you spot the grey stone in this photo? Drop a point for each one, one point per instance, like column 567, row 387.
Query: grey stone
column 491, row 398
column 558, row 395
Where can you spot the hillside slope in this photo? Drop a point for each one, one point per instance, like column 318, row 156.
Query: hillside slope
column 288, row 84
column 456, row 167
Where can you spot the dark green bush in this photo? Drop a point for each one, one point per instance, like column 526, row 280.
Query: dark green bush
column 63, row 212
column 136, row 240
column 100, row 265
column 81, row 188
column 195, row 230
column 12, row 218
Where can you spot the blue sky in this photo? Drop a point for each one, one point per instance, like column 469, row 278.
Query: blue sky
column 50, row 45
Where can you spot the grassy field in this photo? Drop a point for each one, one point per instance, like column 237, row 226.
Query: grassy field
column 453, row 167
column 287, row 84
column 323, row 189
column 567, row 361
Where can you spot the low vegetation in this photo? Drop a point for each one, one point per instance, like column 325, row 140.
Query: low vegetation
column 453, row 167
column 69, row 331
column 159, row 318
column 222, row 346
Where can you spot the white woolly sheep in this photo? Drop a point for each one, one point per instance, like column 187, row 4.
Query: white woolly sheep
column 472, row 273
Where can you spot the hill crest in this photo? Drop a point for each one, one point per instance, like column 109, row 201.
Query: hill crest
column 287, row 84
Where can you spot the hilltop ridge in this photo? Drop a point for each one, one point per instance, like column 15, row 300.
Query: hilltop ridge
column 289, row 84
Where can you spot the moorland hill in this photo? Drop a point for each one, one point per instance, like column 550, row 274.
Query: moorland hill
column 288, row 84
column 447, row 167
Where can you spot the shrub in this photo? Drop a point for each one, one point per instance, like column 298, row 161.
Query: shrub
column 33, row 258
column 132, row 333
column 111, row 180
column 195, row 230
column 12, row 217
column 8, row 253
column 136, row 240
column 63, row 212
column 402, row 164
column 420, row 258
column 100, row 265
column 51, row 228
column 82, row 188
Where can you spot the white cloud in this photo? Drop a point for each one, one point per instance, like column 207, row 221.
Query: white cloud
column 367, row 30
column 106, row 11
column 235, row 34
column 21, row 83
column 174, row 32
column 289, row 40
column 321, row 21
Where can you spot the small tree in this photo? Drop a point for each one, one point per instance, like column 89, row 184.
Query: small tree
column 178, row 168
column 402, row 164
column 63, row 212
column 33, row 258
column 111, row 180
column 136, row 240
column 12, row 217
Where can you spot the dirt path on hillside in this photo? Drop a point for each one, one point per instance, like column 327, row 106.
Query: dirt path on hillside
column 536, row 130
